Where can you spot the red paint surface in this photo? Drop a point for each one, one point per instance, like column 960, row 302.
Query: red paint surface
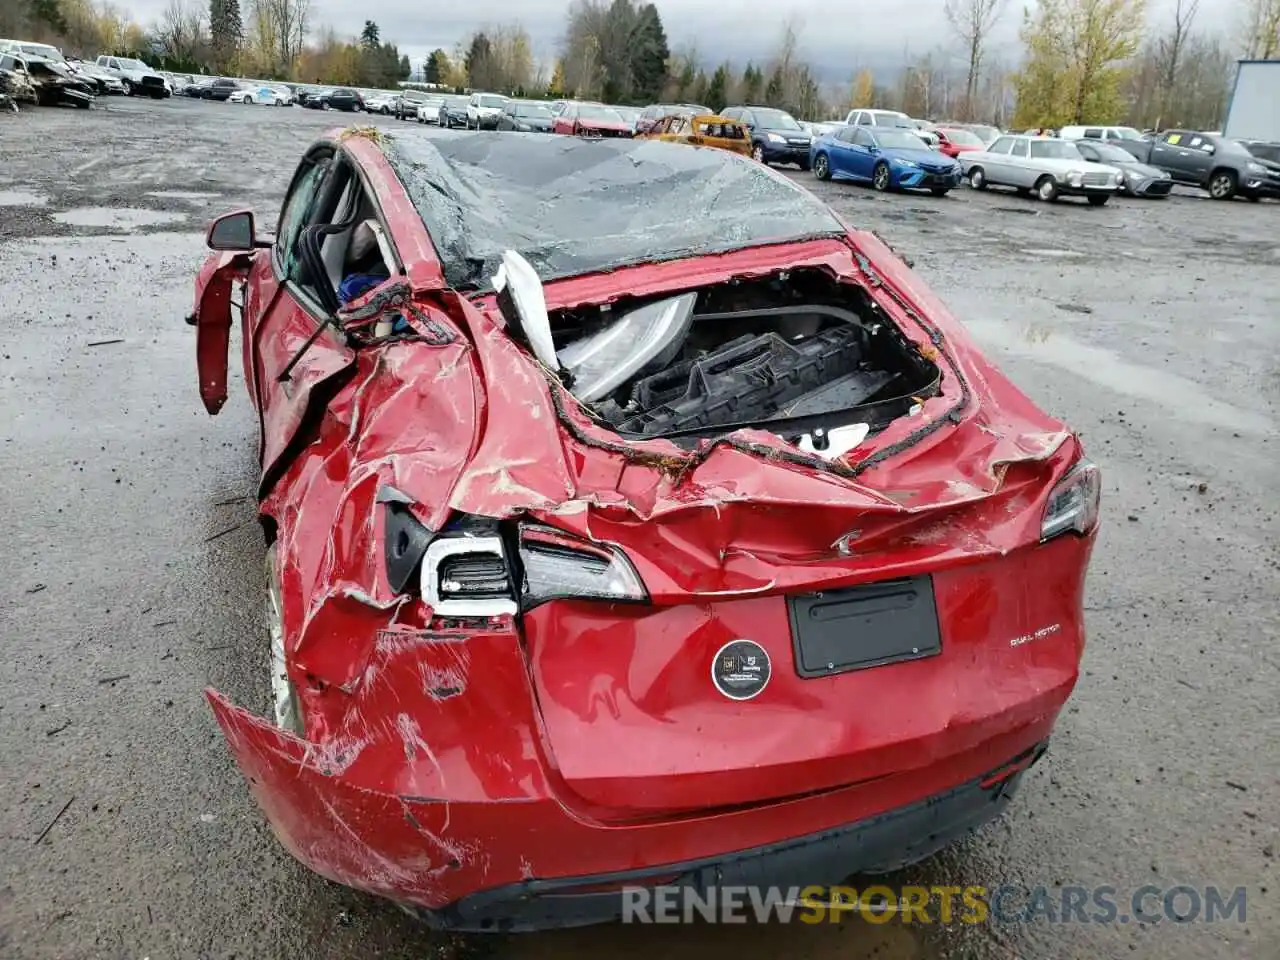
column 951, row 149
column 587, row 737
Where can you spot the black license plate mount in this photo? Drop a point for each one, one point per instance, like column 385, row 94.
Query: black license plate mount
column 867, row 625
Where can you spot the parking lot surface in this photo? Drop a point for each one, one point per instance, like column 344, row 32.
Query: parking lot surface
column 130, row 578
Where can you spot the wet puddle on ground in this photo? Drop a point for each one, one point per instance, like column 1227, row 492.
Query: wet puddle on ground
column 182, row 195
column 1181, row 397
column 117, row 218
column 1051, row 252
column 21, row 198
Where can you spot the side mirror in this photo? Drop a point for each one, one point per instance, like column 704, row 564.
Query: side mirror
column 234, row 231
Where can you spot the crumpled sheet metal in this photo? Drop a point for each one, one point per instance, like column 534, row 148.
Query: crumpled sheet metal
column 406, row 419
column 430, row 851
column 587, row 469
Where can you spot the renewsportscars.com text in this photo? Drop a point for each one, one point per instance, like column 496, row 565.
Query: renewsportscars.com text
column 936, row 904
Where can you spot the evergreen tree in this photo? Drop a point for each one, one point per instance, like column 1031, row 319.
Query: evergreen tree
column 477, row 62
column 752, row 80
column 438, row 67
column 776, row 90
column 369, row 36
column 718, row 91
column 226, row 31
column 649, row 56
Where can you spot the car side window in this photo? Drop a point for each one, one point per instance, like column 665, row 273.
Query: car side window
column 1002, row 145
column 1093, row 133
column 1020, row 148
column 1087, row 151
column 860, row 137
column 1173, row 137
column 298, row 209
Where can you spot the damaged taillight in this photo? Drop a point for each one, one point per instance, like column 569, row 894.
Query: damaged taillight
column 466, row 575
column 1074, row 503
column 477, row 567
column 557, row 566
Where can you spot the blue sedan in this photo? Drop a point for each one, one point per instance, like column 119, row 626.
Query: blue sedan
column 888, row 159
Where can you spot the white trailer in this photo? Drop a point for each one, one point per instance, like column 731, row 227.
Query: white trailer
column 1253, row 113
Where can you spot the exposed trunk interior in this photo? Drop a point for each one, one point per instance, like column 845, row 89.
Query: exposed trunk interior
column 796, row 352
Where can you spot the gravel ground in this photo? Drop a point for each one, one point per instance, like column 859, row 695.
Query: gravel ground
column 130, row 578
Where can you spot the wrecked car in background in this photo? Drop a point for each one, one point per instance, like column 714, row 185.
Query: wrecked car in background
column 15, row 83
column 619, row 543
column 55, row 83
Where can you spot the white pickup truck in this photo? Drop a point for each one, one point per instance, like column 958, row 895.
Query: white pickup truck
column 138, row 78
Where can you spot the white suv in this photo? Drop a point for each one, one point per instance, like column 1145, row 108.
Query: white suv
column 137, row 76
column 890, row 118
column 484, row 109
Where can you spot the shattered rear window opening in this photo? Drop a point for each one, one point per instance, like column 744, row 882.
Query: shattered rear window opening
column 573, row 207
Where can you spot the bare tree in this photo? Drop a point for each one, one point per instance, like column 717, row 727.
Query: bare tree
column 972, row 21
column 288, row 22
column 1170, row 47
column 1261, row 37
column 181, row 29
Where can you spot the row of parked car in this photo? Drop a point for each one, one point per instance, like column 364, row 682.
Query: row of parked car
column 892, row 151
column 39, row 73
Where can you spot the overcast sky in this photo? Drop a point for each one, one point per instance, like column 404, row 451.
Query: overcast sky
column 734, row 29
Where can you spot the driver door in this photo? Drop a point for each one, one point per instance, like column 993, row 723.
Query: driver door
column 291, row 346
column 860, row 161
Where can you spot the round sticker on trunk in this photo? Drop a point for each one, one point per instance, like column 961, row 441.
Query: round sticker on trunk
column 741, row 669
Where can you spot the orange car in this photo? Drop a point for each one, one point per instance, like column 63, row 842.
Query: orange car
column 703, row 130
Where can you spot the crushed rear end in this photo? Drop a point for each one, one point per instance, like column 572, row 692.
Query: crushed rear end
column 791, row 595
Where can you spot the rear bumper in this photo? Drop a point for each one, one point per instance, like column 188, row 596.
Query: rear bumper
column 512, row 863
column 869, row 847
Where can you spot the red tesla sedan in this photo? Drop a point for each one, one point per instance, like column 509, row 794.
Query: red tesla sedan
column 619, row 543
column 954, row 141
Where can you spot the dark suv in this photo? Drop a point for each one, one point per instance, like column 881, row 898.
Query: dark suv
column 776, row 136
column 1215, row 163
column 220, row 89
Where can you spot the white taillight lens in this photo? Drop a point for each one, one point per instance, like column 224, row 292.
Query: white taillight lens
column 557, row 566
column 1074, row 503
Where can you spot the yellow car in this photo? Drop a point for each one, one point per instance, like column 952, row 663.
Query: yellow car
column 704, row 130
